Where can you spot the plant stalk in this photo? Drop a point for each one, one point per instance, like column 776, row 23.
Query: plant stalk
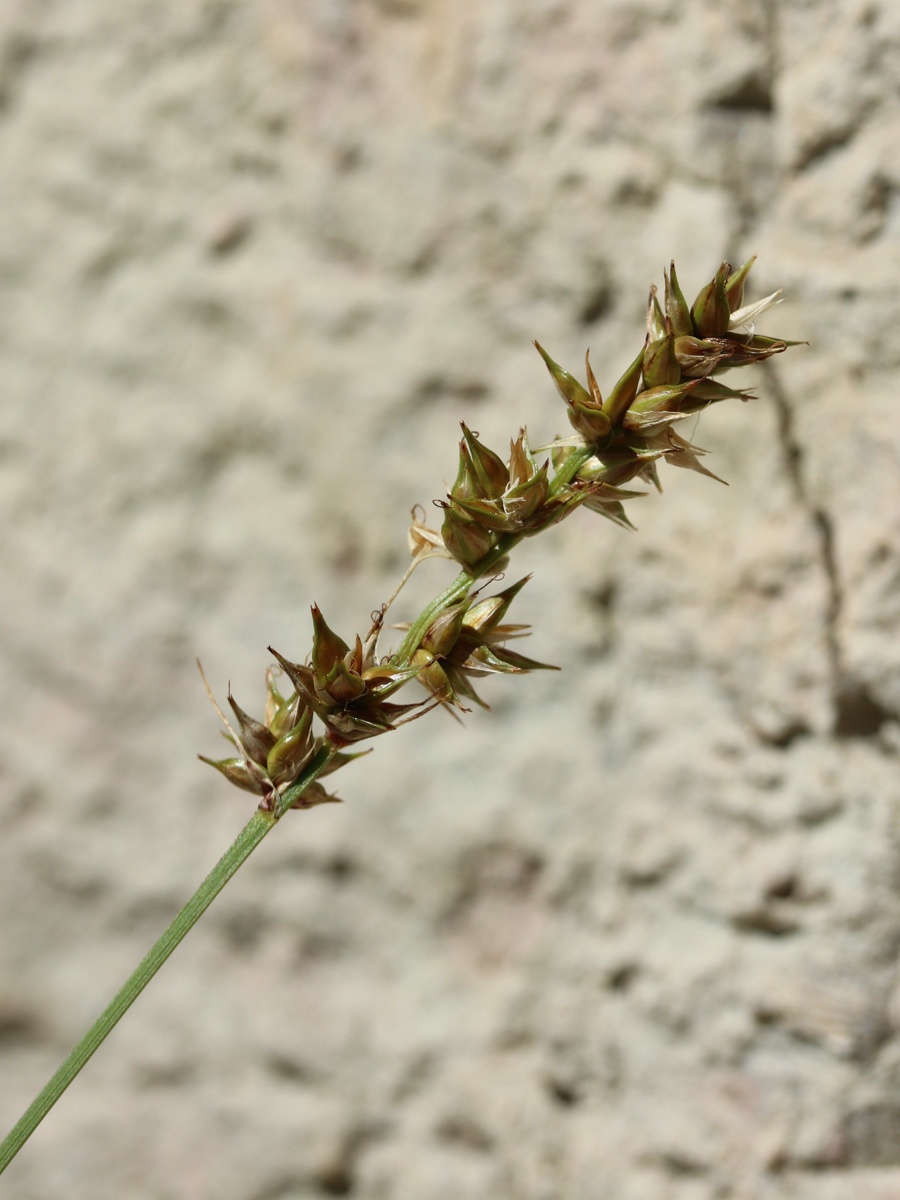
column 240, row 850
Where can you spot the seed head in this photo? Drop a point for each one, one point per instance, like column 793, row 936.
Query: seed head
column 585, row 408
column 345, row 688
column 463, row 636
column 478, row 511
column 670, row 379
column 468, row 641
column 272, row 753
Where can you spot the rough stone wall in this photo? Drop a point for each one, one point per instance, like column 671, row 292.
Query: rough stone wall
column 634, row 933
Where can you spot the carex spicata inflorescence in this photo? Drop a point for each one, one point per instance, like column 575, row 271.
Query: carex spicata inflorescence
column 491, row 506
column 343, row 692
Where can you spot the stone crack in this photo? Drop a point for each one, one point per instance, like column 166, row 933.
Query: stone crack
column 856, row 714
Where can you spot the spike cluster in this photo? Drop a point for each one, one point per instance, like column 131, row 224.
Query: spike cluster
column 491, row 506
column 491, row 498
column 670, row 379
column 273, row 753
column 467, row 641
column 627, row 433
column 346, row 688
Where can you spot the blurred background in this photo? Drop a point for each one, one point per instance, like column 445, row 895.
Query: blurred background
column 632, row 934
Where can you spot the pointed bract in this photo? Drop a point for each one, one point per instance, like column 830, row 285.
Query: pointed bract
column 661, row 399
column 487, row 467
column 291, row 752
column 327, row 648
column 621, row 397
column 465, row 485
column 660, row 364
column 710, row 391
column 238, row 772
column 483, row 615
column 584, row 408
column 710, row 312
column 442, row 634
column 734, row 288
column 656, row 322
column 567, row 385
column 256, row 739
column 746, row 318
column 313, row 795
column 467, row 541
column 677, row 309
column 274, row 698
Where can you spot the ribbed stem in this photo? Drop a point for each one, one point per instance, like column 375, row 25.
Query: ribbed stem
column 243, row 846
column 416, row 631
column 451, row 595
column 570, row 468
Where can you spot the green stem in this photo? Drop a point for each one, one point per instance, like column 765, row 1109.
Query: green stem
column 450, row 595
column 246, row 842
column 416, row 631
column 570, row 468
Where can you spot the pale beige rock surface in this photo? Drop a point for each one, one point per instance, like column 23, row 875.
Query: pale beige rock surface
column 634, row 933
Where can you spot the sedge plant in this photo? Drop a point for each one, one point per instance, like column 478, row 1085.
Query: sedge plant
column 318, row 708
